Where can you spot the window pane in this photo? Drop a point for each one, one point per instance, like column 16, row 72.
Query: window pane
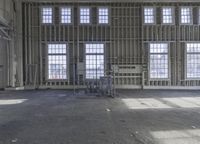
column 193, row 48
column 158, row 60
column 94, row 61
column 66, row 15
column 47, row 15
column 193, row 60
column 103, row 15
column 186, row 15
column 84, row 15
column 159, row 48
column 167, row 15
column 94, row 48
column 149, row 15
column 57, row 61
column 57, row 48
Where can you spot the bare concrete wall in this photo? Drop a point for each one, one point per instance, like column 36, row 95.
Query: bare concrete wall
column 9, row 44
column 126, row 41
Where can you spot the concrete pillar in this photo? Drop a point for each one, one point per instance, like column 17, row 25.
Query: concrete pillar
column 18, row 56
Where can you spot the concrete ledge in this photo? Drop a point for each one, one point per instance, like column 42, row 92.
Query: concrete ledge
column 173, row 87
column 117, row 87
column 14, row 88
column 128, row 87
column 63, row 87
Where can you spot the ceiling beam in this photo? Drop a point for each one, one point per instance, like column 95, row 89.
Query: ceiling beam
column 108, row 1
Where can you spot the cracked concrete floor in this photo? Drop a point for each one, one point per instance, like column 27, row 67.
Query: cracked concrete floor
column 133, row 117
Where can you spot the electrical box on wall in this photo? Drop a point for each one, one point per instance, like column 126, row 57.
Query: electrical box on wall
column 81, row 68
column 127, row 68
column 81, row 72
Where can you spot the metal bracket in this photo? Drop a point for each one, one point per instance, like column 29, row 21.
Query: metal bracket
column 4, row 33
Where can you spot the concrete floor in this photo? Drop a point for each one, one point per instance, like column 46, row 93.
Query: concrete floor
column 134, row 117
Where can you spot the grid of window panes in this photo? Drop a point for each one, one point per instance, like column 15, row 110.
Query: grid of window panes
column 159, row 61
column 167, row 15
column 57, row 61
column 94, row 61
column 186, row 15
column 84, row 15
column 66, row 15
column 103, row 15
column 47, row 14
column 149, row 15
column 193, row 60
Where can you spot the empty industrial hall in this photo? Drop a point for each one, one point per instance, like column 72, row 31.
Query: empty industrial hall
column 99, row 71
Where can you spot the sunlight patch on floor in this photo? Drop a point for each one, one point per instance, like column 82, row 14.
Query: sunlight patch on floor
column 189, row 136
column 12, row 101
column 184, row 102
column 145, row 103
column 162, row 103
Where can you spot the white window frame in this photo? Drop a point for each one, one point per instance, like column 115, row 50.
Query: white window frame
column 186, row 60
column 191, row 15
column 94, row 54
column 84, row 7
column 154, row 15
column 149, row 63
column 103, row 15
column 71, row 16
column 173, row 15
column 52, row 16
column 47, row 61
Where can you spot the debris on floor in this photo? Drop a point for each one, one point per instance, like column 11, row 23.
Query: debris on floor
column 193, row 127
column 108, row 110
column 14, row 140
column 122, row 121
